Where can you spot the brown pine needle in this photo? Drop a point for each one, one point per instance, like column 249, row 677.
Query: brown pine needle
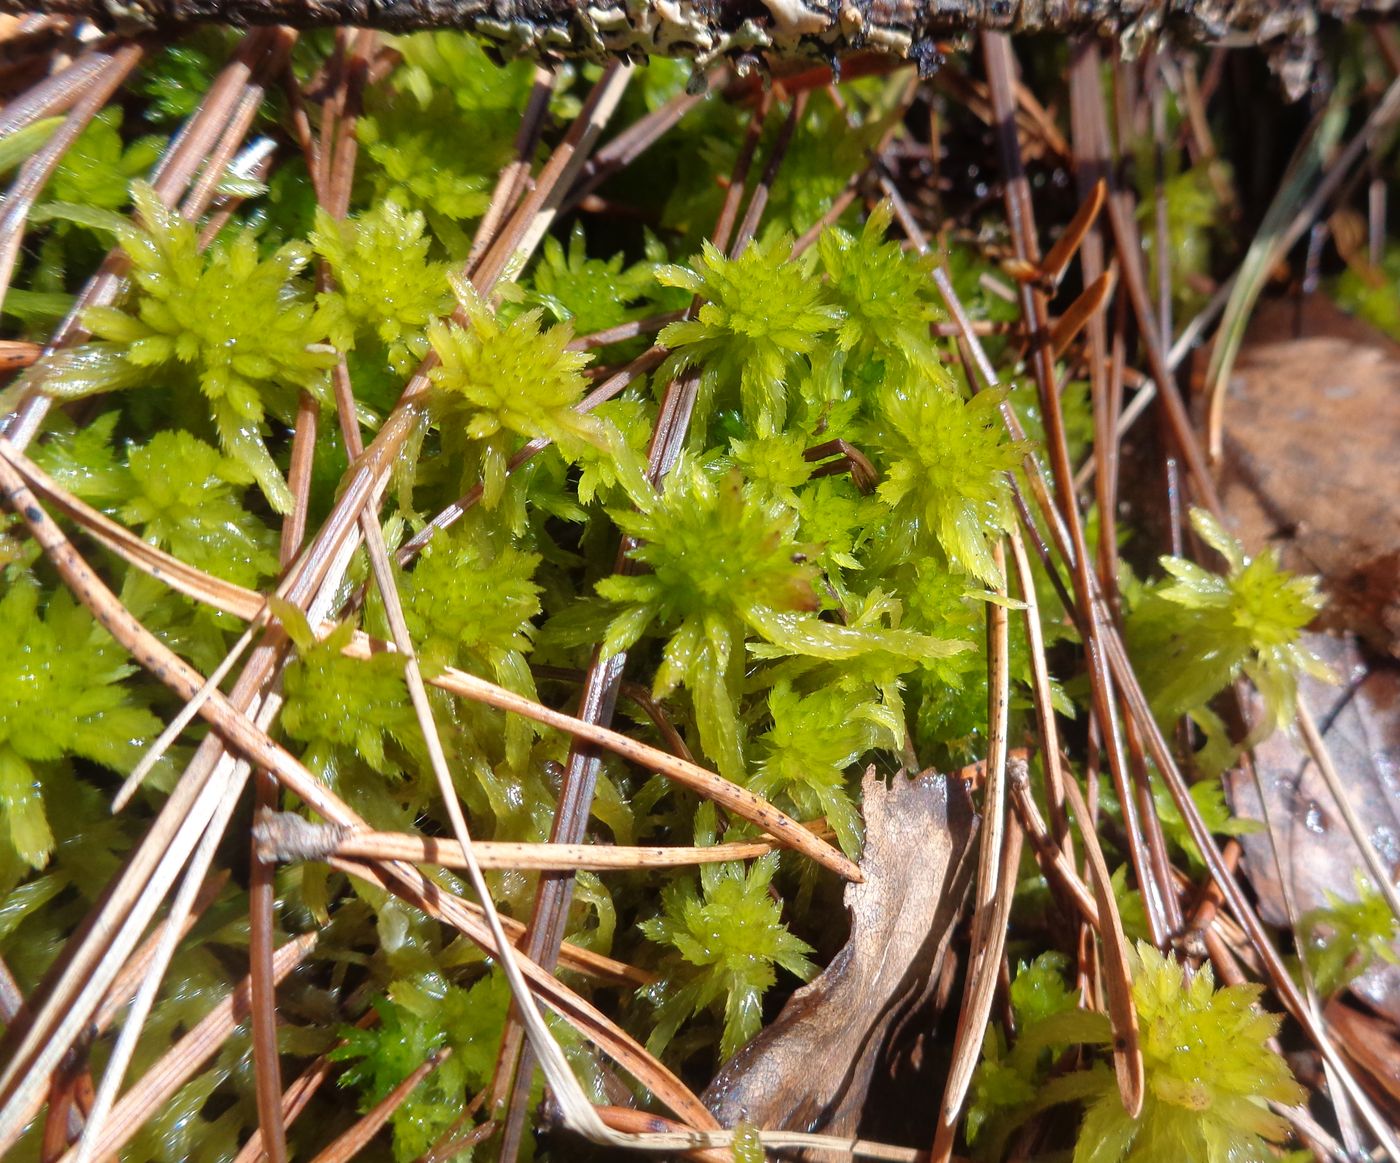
column 738, row 800
column 180, row 1063
column 281, row 836
column 1117, row 977
column 1053, row 266
column 1090, row 302
column 997, row 858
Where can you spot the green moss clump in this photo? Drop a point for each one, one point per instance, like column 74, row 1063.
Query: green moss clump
column 762, row 312
column 57, row 657
column 961, row 500
column 720, row 565
column 387, row 288
column 1195, row 632
column 445, row 93
column 726, row 936
column 227, row 323
column 1209, row 1075
column 1344, row 938
column 498, row 381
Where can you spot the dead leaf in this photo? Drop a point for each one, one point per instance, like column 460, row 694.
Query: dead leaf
column 811, row 1069
column 1311, row 462
column 1360, row 723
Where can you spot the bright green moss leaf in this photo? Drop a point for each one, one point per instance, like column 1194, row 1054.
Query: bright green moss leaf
column 1193, row 633
column 947, row 464
column 227, row 323
column 1209, row 1072
column 748, row 1144
column 603, row 477
column 1343, row 939
column 726, row 935
column 469, row 602
column 386, row 286
column 1195, row 228
column 1371, row 292
column 188, row 498
column 498, row 382
column 425, row 1014
column 719, row 561
column 882, row 291
column 99, row 169
column 177, row 491
column 591, row 294
column 383, row 1056
column 95, row 173
column 1209, row 1075
column 175, row 79
column 23, row 142
column 1008, row 1080
column 57, row 657
column 775, row 466
column 83, row 460
column 762, row 313
column 1038, row 990
column 346, row 707
column 436, row 135
column 1209, row 798
column 805, row 754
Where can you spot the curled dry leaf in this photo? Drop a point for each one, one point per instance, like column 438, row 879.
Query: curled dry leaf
column 812, row 1068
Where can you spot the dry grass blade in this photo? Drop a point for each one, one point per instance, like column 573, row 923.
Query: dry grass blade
column 226, row 106
column 1118, row 982
column 1127, row 1054
column 220, row 595
column 1283, row 226
column 1279, row 976
column 599, row 1029
column 1382, row 877
column 1034, row 309
column 246, row 737
column 729, row 795
column 1056, row 866
column 119, row 993
column 37, row 170
column 55, row 94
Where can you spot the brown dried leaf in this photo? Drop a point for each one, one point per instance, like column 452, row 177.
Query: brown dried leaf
column 1360, row 723
column 1310, row 458
column 810, row 1069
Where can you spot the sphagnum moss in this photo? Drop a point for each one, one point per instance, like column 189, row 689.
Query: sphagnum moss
column 794, row 616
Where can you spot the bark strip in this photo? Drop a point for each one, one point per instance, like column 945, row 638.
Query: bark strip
column 706, row 30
